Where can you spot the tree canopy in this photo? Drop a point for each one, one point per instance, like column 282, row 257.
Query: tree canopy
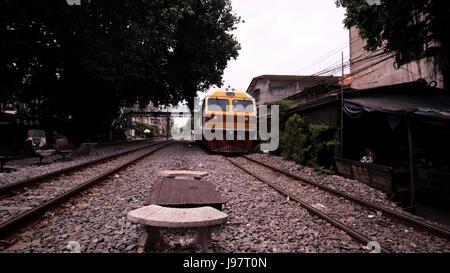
column 413, row 29
column 82, row 62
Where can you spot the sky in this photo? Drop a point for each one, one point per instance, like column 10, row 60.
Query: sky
column 285, row 37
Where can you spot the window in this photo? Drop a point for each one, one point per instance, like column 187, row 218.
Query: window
column 243, row 106
column 217, row 105
column 256, row 94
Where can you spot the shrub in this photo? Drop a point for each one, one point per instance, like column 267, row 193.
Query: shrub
column 311, row 144
column 294, row 140
column 285, row 106
column 321, row 148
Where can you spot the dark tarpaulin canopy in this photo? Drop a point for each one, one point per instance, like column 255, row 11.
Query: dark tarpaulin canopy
column 432, row 105
column 400, row 102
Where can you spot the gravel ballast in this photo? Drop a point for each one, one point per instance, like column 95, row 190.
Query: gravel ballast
column 373, row 224
column 28, row 167
column 260, row 219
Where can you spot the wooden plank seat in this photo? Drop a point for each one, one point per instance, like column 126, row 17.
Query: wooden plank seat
column 184, row 193
column 183, row 174
column 155, row 217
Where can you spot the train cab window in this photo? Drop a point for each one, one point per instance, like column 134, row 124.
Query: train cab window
column 218, row 105
column 243, row 106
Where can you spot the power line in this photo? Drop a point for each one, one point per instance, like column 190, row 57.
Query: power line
column 330, row 53
column 337, row 65
column 380, row 60
column 323, row 58
column 371, row 65
column 367, row 55
column 362, row 57
column 346, row 65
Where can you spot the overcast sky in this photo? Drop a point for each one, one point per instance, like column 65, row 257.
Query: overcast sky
column 285, row 37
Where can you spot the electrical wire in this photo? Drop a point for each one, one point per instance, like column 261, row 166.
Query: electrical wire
column 329, row 54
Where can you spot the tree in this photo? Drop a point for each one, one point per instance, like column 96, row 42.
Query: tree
column 84, row 62
column 199, row 59
column 412, row 29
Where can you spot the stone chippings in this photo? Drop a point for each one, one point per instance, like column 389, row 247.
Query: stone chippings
column 390, row 234
column 349, row 186
column 28, row 167
column 35, row 195
column 260, row 219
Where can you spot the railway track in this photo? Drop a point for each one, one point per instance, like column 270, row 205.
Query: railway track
column 99, row 145
column 404, row 218
column 19, row 206
column 10, row 187
column 365, row 221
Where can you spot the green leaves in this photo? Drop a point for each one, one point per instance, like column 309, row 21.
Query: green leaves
column 203, row 47
column 294, row 140
column 309, row 144
column 413, row 29
column 111, row 53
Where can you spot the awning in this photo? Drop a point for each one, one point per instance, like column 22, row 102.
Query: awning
column 433, row 105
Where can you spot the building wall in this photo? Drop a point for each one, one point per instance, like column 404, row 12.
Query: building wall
column 268, row 91
column 369, row 69
column 327, row 114
column 258, row 92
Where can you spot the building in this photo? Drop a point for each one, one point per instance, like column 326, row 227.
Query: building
column 149, row 116
column 379, row 68
column 401, row 114
column 267, row 89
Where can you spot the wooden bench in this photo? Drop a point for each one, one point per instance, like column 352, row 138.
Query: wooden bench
column 155, row 217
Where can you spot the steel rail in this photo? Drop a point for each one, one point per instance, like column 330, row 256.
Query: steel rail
column 350, row 231
column 5, row 189
column 99, row 145
column 391, row 213
column 18, row 221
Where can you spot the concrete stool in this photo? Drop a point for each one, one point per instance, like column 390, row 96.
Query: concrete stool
column 155, row 217
column 44, row 153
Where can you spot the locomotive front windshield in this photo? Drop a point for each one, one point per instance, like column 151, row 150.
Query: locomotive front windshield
column 243, row 106
column 218, row 105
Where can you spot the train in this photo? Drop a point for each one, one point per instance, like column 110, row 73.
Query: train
column 230, row 116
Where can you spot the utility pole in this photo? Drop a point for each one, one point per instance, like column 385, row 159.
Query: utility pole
column 167, row 123
column 412, row 201
column 342, row 108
